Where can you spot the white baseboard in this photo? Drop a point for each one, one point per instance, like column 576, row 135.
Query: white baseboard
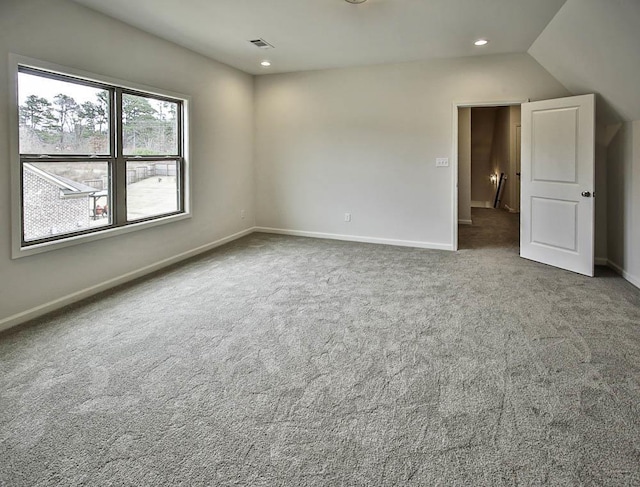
column 629, row 277
column 355, row 238
column 37, row 311
column 481, row 204
column 32, row 313
column 464, row 222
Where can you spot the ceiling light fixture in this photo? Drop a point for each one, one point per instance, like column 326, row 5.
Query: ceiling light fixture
column 265, row 64
column 355, row 1
column 481, row 42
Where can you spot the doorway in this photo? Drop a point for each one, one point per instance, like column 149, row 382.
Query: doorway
column 488, row 176
column 557, row 185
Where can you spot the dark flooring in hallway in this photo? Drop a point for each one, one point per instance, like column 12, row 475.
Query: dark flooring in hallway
column 491, row 228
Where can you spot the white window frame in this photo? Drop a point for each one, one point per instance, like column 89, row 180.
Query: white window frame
column 18, row 249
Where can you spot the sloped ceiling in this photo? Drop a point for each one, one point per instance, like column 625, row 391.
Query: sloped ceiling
column 587, row 45
column 594, row 46
column 320, row 34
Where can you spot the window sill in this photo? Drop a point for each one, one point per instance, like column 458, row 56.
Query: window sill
column 19, row 251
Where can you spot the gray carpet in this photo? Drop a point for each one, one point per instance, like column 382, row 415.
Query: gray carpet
column 300, row 362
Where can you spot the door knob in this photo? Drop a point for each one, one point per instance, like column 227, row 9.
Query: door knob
column 586, row 194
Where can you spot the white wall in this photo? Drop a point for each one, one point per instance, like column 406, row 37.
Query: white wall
column 65, row 33
column 364, row 140
column 623, row 208
column 601, row 191
column 464, row 165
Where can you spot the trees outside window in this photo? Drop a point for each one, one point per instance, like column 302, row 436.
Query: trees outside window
column 107, row 155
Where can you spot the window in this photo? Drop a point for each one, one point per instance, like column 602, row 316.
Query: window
column 95, row 157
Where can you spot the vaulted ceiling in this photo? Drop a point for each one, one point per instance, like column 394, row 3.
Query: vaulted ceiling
column 320, row 34
column 588, row 45
column 594, row 46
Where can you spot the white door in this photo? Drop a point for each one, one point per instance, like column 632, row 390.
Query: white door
column 557, row 205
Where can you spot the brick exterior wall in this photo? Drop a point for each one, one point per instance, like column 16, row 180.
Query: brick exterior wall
column 46, row 213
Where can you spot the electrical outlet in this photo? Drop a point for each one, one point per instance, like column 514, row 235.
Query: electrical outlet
column 442, row 162
column 243, row 214
column 347, row 217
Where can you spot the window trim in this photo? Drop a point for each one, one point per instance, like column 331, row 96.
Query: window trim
column 19, row 248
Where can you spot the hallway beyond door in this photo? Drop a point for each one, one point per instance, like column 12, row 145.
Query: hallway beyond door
column 491, row 228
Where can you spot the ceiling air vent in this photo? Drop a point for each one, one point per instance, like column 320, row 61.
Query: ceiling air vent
column 261, row 43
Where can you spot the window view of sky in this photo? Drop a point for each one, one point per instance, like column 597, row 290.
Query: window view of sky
column 48, row 88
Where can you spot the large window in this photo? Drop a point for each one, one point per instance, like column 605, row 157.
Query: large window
column 95, row 156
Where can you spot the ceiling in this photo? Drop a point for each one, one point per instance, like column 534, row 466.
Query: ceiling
column 592, row 46
column 320, row 34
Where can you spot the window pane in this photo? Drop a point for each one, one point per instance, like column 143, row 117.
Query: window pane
column 150, row 126
column 62, row 117
column 152, row 189
column 64, row 197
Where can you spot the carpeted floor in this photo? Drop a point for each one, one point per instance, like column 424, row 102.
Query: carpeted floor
column 300, row 362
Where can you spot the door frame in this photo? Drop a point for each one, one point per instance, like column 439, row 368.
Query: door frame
column 454, row 154
column 517, row 182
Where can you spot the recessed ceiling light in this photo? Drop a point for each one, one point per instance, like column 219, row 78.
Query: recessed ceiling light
column 481, row 42
column 355, row 1
column 265, row 64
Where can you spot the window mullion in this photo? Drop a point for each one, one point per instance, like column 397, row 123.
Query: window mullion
column 120, row 169
column 74, row 158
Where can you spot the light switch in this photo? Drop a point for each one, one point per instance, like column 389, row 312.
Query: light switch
column 442, row 162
